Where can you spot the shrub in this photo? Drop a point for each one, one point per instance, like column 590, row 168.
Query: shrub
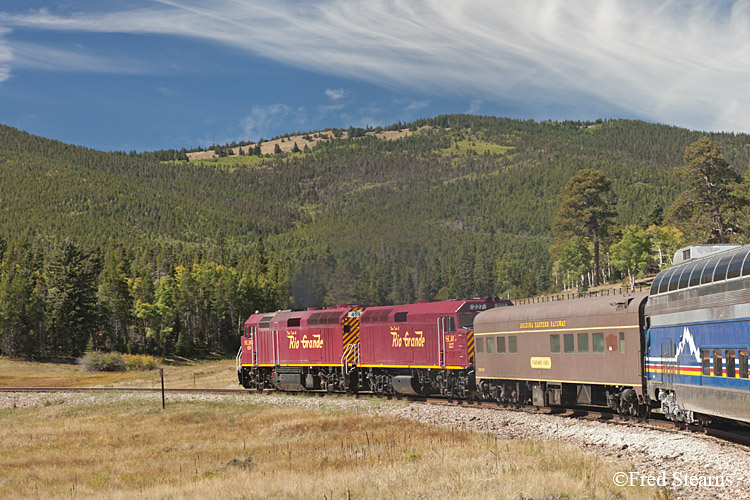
column 141, row 362
column 96, row 361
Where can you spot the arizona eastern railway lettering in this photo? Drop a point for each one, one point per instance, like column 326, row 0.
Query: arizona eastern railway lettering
column 559, row 323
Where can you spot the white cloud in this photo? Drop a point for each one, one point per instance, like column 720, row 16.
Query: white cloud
column 263, row 119
column 336, row 94
column 474, row 106
column 6, row 56
column 685, row 63
column 416, row 105
column 37, row 56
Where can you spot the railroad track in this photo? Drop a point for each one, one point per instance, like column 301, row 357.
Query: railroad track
column 741, row 437
column 126, row 389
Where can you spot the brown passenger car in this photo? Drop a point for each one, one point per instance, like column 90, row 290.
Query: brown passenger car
column 584, row 351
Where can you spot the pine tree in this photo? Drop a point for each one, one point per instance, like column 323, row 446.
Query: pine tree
column 584, row 210
column 71, row 277
column 707, row 210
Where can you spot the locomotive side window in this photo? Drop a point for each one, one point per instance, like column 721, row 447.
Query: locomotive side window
column 568, row 343
column 554, row 343
column 450, row 323
column 718, row 368
column 706, row 364
column 480, row 344
column 583, row 342
column 730, row 364
column 399, row 317
column 622, row 342
column 501, row 345
column 512, row 344
column 743, row 364
column 597, row 339
column 466, row 321
column 490, row 345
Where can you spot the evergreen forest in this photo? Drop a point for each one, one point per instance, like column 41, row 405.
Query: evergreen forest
column 150, row 253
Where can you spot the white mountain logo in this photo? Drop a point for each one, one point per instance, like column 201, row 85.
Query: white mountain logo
column 687, row 340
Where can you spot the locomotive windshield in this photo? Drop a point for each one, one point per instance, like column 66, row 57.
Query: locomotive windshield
column 466, row 321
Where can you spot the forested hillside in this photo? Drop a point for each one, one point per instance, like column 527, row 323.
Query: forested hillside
column 176, row 253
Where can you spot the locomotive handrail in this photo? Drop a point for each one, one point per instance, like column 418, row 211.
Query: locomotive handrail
column 345, row 356
column 238, row 360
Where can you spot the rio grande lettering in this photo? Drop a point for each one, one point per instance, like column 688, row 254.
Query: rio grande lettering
column 314, row 343
column 406, row 341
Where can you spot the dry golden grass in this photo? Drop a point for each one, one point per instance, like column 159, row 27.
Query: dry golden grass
column 209, row 374
column 234, row 449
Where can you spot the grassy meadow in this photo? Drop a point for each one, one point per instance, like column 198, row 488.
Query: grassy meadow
column 236, row 447
column 184, row 374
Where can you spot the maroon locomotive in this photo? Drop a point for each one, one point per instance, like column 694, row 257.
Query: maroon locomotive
column 299, row 350
column 420, row 349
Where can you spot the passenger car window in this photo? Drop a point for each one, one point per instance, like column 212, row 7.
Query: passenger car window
column 501, row 345
column 695, row 276
column 622, row 342
column 743, row 364
column 655, row 284
column 490, row 345
column 708, row 271
column 583, row 342
column 568, row 343
column 597, row 339
column 512, row 344
column 554, row 343
column 675, row 278
column 663, row 286
column 685, row 276
column 720, row 273
column 480, row 344
column 735, row 267
column 706, row 365
column 730, row 364
column 718, row 368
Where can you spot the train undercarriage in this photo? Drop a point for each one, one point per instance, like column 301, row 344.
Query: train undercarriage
column 622, row 399
column 451, row 384
column 458, row 384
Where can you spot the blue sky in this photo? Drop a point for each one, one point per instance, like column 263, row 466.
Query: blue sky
column 145, row 75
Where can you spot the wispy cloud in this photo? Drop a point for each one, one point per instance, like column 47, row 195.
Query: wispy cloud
column 38, row 56
column 474, row 106
column 686, row 63
column 6, row 56
column 263, row 119
column 336, row 94
column 416, row 105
